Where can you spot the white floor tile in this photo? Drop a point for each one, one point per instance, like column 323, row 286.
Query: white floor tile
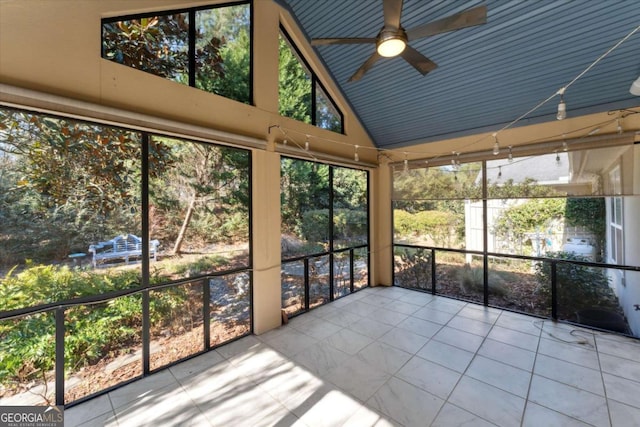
column 506, row 353
column 429, row 376
column 536, row 416
column 486, row 315
column 515, row 338
column 625, row 368
column 358, row 378
column 570, row 401
column 570, row 374
column 346, row 364
column 88, row 410
column 433, row 315
column 384, row 357
column 320, row 358
column 472, row 326
column 370, row 327
column 622, row 390
column 451, row 415
column 488, row 402
column 623, row 415
column 404, row 340
column 584, row 356
column 500, row 375
column 446, row 355
column 329, row 409
column 419, row 326
column 458, row 338
column 406, row 403
column 141, row 388
column 389, row 317
column 291, row 342
column 348, row 341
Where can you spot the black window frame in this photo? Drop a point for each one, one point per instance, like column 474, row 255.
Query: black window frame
column 191, row 11
column 314, row 81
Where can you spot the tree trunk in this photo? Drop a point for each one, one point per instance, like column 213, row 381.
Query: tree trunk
column 185, row 224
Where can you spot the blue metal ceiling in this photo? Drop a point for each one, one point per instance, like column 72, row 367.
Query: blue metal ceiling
column 487, row 76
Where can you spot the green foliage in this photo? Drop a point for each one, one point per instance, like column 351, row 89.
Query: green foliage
column 347, row 224
column 578, row 286
column 439, row 226
column 91, row 332
column 412, row 267
column 525, row 189
column 533, row 215
column 472, row 281
column 294, row 90
column 589, row 213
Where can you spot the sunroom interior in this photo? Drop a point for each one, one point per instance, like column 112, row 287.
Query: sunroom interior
column 210, row 216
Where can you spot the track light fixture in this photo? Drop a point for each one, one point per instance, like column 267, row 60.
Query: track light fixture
column 557, row 157
column 499, row 172
column 306, row 143
column 562, row 107
column 406, row 162
column 619, row 125
column 510, row 158
column 285, row 142
column 496, row 146
column 356, row 158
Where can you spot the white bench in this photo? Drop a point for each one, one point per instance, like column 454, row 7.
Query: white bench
column 121, row 248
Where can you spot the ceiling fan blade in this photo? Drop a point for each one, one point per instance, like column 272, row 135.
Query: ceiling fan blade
column 392, row 10
column 418, row 60
column 467, row 18
column 345, row 40
column 365, row 67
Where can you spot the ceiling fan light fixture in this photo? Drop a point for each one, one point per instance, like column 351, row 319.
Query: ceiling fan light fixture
column 391, row 43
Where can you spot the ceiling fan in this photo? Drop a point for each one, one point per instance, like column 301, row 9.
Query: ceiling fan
column 392, row 40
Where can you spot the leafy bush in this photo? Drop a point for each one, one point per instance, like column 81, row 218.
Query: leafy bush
column 413, row 267
column 347, row 223
column 529, row 216
column 578, row 286
column 472, row 281
column 92, row 332
column 438, row 225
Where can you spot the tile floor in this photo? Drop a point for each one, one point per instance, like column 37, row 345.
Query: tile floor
column 392, row 357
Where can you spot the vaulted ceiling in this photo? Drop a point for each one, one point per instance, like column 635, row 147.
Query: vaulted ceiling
column 487, row 75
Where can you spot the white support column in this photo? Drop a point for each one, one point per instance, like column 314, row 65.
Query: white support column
column 266, row 241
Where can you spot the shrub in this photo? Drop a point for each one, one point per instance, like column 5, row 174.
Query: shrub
column 577, row 286
column 437, row 225
column 413, row 268
column 472, row 281
column 346, row 222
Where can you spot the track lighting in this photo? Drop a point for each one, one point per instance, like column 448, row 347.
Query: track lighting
column 499, row 172
column 562, row 107
column 565, row 147
column 557, row 158
column 356, row 158
column 406, row 162
column 496, row 146
column 285, row 142
column 619, row 126
column 306, row 143
column 510, row 158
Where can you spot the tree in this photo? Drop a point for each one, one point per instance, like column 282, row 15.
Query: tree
column 205, row 180
column 294, row 89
